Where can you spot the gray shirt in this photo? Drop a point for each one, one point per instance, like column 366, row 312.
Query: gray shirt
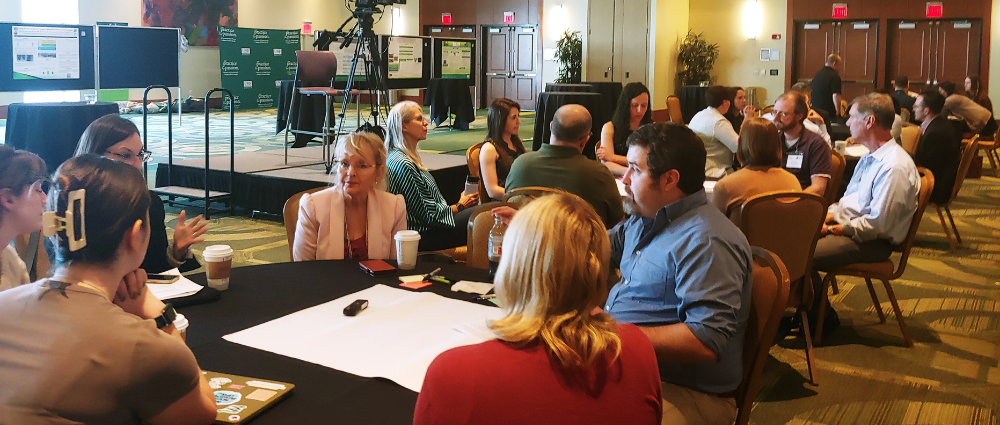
column 68, row 355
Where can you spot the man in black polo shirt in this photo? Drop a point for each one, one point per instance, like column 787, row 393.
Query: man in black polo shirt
column 903, row 96
column 806, row 154
column 826, row 87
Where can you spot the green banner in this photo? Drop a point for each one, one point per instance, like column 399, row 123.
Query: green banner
column 253, row 63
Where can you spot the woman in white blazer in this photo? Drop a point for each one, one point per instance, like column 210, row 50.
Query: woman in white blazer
column 354, row 219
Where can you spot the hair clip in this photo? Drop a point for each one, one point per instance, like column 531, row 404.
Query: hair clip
column 52, row 223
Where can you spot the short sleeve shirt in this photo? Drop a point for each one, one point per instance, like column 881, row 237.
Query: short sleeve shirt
column 68, row 355
column 825, row 83
column 816, row 157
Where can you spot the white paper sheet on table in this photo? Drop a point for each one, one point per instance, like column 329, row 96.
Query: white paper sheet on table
column 181, row 288
column 856, row 151
column 396, row 337
column 471, row 287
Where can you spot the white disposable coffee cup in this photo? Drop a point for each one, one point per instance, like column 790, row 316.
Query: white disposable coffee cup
column 407, row 242
column 181, row 323
column 841, row 146
column 218, row 265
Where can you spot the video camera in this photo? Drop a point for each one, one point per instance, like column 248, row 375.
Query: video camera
column 373, row 3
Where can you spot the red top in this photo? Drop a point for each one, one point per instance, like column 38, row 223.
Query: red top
column 495, row 383
column 356, row 249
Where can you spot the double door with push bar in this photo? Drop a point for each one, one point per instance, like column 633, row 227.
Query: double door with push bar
column 510, row 64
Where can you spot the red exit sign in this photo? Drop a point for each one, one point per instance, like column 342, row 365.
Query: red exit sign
column 840, row 11
column 445, row 19
column 508, row 18
column 935, row 9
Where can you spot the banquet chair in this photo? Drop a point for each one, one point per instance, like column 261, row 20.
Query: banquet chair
column 909, row 138
column 290, row 213
column 33, row 255
column 674, row 110
column 787, row 223
column 989, row 147
column 523, row 195
column 905, row 115
column 480, row 224
column 882, row 271
column 767, row 110
column 315, row 74
column 770, row 295
column 472, row 159
column 837, row 165
column 969, row 147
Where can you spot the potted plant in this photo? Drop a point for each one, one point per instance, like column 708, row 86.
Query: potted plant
column 569, row 54
column 698, row 57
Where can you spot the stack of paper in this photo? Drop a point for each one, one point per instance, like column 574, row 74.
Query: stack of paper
column 180, row 288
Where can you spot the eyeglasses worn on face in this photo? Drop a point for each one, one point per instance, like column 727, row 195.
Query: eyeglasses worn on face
column 782, row 114
column 143, row 155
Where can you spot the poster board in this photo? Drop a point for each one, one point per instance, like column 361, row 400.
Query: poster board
column 39, row 57
column 136, row 58
column 254, row 61
column 406, row 60
column 455, row 58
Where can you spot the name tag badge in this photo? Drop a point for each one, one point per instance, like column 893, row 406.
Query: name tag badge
column 794, row 161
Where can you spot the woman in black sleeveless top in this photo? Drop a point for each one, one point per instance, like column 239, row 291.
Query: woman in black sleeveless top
column 501, row 147
column 632, row 112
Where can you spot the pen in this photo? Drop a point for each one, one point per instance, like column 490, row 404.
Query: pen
column 428, row 275
column 484, row 297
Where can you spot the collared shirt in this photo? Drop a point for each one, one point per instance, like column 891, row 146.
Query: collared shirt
column 816, row 157
column 881, row 197
column 719, row 137
column 688, row 265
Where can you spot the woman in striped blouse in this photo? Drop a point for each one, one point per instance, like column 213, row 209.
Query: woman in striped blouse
column 441, row 226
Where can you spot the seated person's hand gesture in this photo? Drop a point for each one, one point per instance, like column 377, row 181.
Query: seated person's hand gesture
column 187, row 234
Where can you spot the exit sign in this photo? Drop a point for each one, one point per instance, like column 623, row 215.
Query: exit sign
column 445, row 19
column 935, row 9
column 840, row 11
column 508, row 17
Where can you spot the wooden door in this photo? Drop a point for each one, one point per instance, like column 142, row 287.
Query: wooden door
column 857, row 45
column 813, row 42
column 910, row 44
column 600, row 41
column 525, row 66
column 450, row 31
column 959, row 50
column 496, row 62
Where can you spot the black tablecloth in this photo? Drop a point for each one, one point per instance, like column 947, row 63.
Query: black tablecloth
column 52, row 130
column 546, row 107
column 560, row 87
column 450, row 95
column 692, row 101
column 259, row 294
column 610, row 91
column 309, row 113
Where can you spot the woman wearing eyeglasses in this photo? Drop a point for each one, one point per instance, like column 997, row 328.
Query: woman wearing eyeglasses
column 22, row 202
column 118, row 138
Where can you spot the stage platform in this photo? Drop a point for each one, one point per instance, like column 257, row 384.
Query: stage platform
column 262, row 182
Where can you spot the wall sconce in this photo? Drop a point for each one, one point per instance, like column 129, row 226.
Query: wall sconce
column 753, row 19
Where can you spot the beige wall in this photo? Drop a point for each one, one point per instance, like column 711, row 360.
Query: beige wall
column 572, row 16
column 670, row 23
column 739, row 61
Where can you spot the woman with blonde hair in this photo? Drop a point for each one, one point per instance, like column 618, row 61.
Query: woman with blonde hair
column 441, row 226
column 356, row 218
column 558, row 359
column 760, row 153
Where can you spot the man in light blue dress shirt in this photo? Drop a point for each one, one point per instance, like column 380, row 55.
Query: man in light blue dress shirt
column 686, row 274
column 876, row 211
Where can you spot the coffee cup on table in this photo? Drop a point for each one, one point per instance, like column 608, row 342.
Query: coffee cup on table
column 218, row 264
column 407, row 243
column 181, row 324
column 841, row 146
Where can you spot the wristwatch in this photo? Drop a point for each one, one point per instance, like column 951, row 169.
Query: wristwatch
column 167, row 317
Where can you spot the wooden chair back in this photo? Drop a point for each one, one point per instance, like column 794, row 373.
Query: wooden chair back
column 315, row 68
column 837, row 165
column 290, row 213
column 770, row 295
column 923, row 198
column 472, row 159
column 969, row 149
column 905, row 115
column 523, row 195
column 767, row 110
column 909, row 138
column 480, row 223
column 674, row 110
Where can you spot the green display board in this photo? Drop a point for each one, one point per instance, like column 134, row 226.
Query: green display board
column 253, row 63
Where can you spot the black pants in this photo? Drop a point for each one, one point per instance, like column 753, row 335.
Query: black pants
column 436, row 239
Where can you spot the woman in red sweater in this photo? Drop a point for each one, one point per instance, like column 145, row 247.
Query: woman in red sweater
column 557, row 358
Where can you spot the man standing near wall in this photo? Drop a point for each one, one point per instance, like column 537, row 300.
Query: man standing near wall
column 826, row 87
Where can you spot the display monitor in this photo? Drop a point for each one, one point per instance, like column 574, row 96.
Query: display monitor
column 455, row 58
column 138, row 57
column 42, row 57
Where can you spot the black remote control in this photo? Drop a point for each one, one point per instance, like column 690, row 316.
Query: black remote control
column 355, row 307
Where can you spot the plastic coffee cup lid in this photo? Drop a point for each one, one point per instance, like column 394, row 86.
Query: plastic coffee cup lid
column 217, row 251
column 181, row 322
column 407, row 235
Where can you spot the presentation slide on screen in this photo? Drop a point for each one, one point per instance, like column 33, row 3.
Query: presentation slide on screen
column 456, row 59
column 406, row 58
column 46, row 53
column 344, row 58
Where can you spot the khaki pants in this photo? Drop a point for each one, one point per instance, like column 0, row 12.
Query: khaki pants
column 684, row 406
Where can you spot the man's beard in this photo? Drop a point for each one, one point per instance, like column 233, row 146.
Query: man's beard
column 628, row 202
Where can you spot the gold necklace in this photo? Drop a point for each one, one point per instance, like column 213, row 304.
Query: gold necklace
column 347, row 235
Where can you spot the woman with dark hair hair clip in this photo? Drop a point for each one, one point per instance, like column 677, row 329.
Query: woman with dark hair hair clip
column 22, row 201
column 632, row 112
column 501, row 147
column 117, row 138
column 91, row 344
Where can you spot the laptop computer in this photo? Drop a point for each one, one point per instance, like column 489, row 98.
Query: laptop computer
column 239, row 398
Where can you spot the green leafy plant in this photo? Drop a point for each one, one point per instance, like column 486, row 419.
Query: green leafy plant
column 569, row 54
column 698, row 57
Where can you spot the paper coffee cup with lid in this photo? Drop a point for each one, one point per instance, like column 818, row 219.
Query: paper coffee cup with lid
column 407, row 243
column 218, row 265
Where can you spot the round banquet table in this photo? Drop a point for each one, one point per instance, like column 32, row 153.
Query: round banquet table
column 560, row 87
column 52, row 130
column 549, row 102
column 692, row 101
column 450, row 96
column 610, row 91
column 259, row 294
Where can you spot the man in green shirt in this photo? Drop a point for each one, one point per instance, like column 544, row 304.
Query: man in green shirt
column 560, row 164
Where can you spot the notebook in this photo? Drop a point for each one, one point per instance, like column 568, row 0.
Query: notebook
column 240, row 399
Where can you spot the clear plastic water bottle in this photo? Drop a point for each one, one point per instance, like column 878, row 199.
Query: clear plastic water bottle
column 495, row 244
